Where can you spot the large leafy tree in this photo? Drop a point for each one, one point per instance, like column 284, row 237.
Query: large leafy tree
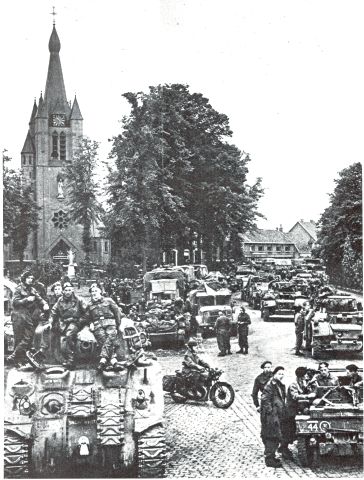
column 340, row 228
column 20, row 211
column 82, row 190
column 176, row 176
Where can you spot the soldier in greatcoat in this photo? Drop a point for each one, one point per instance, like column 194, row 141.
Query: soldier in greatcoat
column 243, row 330
column 222, row 328
column 272, row 413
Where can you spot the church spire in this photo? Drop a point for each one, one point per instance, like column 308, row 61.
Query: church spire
column 55, row 93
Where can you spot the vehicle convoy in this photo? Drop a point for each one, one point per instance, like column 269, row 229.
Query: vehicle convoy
column 243, row 273
column 338, row 329
column 281, row 302
column 86, row 423
column 164, row 285
column 162, row 329
column 206, row 304
column 255, row 288
column 334, row 426
column 220, row 393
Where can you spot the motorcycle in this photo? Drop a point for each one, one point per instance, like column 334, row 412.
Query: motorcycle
column 181, row 389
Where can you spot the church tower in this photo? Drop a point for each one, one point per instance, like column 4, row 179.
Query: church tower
column 55, row 128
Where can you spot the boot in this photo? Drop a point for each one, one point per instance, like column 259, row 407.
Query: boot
column 286, row 453
column 272, row 462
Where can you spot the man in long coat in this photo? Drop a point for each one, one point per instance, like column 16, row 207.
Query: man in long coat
column 222, row 327
column 272, row 413
column 243, row 330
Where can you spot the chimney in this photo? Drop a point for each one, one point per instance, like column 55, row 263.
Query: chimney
column 280, row 228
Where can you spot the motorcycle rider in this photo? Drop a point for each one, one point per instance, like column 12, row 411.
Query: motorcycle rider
column 195, row 370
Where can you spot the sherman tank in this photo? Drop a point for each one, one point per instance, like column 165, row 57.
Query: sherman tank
column 338, row 329
column 63, row 423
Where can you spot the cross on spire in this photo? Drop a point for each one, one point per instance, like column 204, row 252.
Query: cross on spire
column 54, row 15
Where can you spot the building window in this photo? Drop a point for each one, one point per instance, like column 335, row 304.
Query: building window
column 30, row 160
column 106, row 247
column 260, row 248
column 54, row 145
column 252, row 248
column 287, row 248
column 95, row 246
column 269, row 248
column 30, row 175
column 60, row 219
column 62, row 146
column 278, row 248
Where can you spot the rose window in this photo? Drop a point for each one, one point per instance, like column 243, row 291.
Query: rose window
column 60, row 219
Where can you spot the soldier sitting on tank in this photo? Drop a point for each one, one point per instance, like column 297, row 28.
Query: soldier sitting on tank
column 27, row 305
column 324, row 378
column 66, row 319
column 195, row 370
column 356, row 380
column 104, row 317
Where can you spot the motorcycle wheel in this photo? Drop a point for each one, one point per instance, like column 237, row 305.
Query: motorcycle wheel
column 222, row 395
column 177, row 396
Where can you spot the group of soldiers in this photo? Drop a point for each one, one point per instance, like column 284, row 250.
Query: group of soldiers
column 223, row 330
column 64, row 314
column 278, row 407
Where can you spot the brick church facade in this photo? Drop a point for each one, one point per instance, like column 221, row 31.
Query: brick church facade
column 55, row 128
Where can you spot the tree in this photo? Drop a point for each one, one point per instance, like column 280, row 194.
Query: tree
column 176, row 176
column 340, row 228
column 20, row 211
column 82, row 190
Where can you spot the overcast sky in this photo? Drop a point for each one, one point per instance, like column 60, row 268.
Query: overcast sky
column 288, row 74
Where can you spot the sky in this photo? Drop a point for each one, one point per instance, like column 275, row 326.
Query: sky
column 289, row 75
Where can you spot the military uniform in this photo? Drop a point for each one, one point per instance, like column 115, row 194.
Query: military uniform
column 243, row 331
column 24, row 317
column 193, row 367
column 66, row 319
column 299, row 322
column 222, row 327
column 105, row 316
column 259, row 384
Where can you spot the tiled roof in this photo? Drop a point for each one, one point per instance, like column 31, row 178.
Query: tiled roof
column 266, row 236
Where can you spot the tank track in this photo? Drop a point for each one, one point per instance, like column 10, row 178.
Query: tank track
column 110, row 417
column 16, row 456
column 152, row 453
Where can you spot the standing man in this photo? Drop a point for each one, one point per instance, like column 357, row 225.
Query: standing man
column 105, row 316
column 299, row 323
column 66, row 319
column 271, row 414
column 260, row 382
column 243, row 330
column 299, row 396
column 27, row 304
column 222, row 328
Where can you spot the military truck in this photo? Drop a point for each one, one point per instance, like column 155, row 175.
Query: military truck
column 334, row 426
column 339, row 328
column 63, row 423
column 164, row 285
column 207, row 303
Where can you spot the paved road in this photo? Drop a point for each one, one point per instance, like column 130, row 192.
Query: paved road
column 205, row 441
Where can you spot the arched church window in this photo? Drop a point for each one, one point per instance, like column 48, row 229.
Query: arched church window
column 60, row 219
column 54, row 145
column 62, row 146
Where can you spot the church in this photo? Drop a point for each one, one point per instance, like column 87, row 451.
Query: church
column 55, row 128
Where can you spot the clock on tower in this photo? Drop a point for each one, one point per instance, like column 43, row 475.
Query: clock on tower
column 58, row 120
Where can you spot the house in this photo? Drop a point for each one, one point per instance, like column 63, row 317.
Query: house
column 268, row 245
column 304, row 235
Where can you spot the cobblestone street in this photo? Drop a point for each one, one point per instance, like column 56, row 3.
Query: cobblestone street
column 204, row 441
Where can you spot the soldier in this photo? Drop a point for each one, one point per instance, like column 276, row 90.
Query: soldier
column 105, row 316
column 194, row 369
column 260, row 382
column 271, row 414
column 222, row 327
column 299, row 396
column 66, row 318
column 324, row 378
column 243, row 331
column 356, row 380
column 299, row 321
column 27, row 304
